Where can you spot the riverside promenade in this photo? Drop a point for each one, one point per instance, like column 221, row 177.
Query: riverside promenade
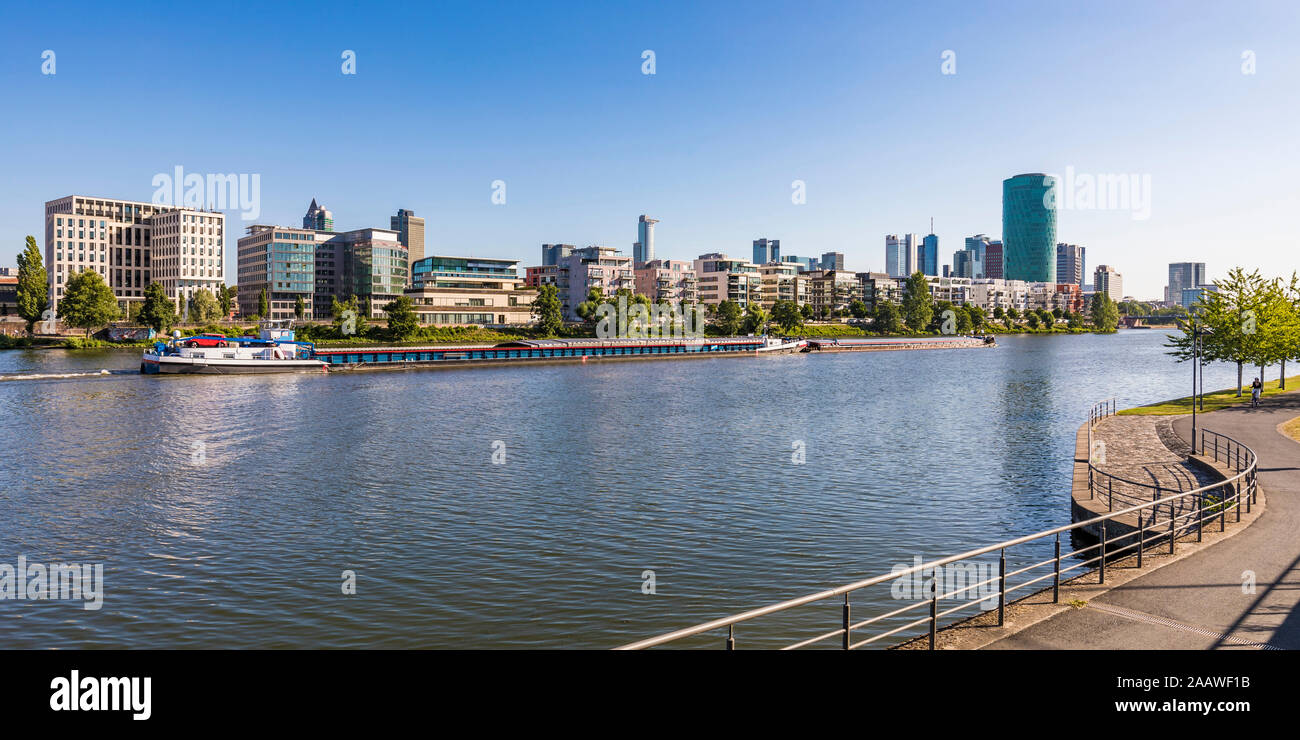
column 1204, row 600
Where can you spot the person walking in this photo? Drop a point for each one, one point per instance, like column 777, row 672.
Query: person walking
column 1256, row 387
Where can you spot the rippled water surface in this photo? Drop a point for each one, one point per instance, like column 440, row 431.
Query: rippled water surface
column 225, row 509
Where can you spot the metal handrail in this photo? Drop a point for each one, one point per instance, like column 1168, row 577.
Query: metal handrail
column 1244, row 488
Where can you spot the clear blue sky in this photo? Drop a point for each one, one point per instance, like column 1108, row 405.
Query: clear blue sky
column 747, row 97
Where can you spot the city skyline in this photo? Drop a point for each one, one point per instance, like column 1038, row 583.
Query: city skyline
column 524, row 118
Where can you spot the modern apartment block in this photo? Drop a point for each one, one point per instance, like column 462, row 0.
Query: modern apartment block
column 767, row 250
column 133, row 243
column 410, row 233
column 553, row 253
column 1107, row 280
column 782, row 281
column 1029, row 227
column 832, row 290
column 668, row 280
column 603, row 268
column 1183, row 276
column 1069, row 264
column 900, row 254
column 282, row 261
column 644, row 248
column 724, row 279
column 461, row 291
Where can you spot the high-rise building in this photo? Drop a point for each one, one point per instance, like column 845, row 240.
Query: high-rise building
column 318, row 218
column 805, row 263
column 831, row 261
column 977, row 245
column 644, row 248
column 410, row 232
column 553, row 253
column 133, row 243
column 901, row 258
column 993, row 260
column 1069, row 264
column 1183, row 276
column 1029, row 228
column 767, row 250
column 928, row 256
column 963, row 263
column 1107, row 280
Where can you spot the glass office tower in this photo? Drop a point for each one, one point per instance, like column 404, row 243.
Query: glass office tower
column 1029, row 228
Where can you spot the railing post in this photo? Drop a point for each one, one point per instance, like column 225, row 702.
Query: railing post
column 934, row 610
column 1216, row 448
column 1223, row 510
column 1056, row 574
column 1200, row 514
column 1102, row 569
column 1090, row 475
column 847, row 621
column 731, row 637
column 1142, row 537
column 1002, row 587
column 1110, row 494
column 1171, row 527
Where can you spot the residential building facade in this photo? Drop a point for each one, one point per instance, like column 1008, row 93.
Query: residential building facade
column 468, row 291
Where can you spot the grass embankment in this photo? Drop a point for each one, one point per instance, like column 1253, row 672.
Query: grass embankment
column 1291, row 429
column 1213, row 401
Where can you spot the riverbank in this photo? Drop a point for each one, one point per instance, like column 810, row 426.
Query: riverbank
column 1213, row 401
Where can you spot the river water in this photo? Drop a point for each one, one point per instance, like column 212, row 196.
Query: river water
column 522, row 506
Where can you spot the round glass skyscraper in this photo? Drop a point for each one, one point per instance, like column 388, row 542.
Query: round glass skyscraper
column 1029, row 228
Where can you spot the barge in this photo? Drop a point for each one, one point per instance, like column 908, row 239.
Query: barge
column 274, row 351
column 867, row 344
column 541, row 350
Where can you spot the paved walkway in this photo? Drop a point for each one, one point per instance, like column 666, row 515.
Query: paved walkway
column 1198, row 602
column 1141, row 461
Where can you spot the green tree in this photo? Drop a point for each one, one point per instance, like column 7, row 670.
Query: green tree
column 1104, row 314
column 806, row 310
column 225, row 300
column 1032, row 319
column 403, row 322
column 33, row 285
column 88, row 302
column 755, row 318
column 300, row 308
column 548, row 311
column 587, row 309
column 858, row 309
column 727, row 317
column 977, row 317
column 203, row 306
column 788, row 316
column 263, row 307
column 349, row 319
column 965, row 324
column 887, row 319
column 918, row 305
column 157, row 311
column 998, row 313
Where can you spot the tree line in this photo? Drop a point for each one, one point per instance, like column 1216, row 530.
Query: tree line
column 1246, row 319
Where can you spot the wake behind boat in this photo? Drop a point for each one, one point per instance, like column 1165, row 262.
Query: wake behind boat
column 274, row 351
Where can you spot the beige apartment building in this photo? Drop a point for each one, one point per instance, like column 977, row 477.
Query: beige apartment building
column 668, row 280
column 133, row 243
column 781, row 281
column 468, row 291
column 724, row 279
